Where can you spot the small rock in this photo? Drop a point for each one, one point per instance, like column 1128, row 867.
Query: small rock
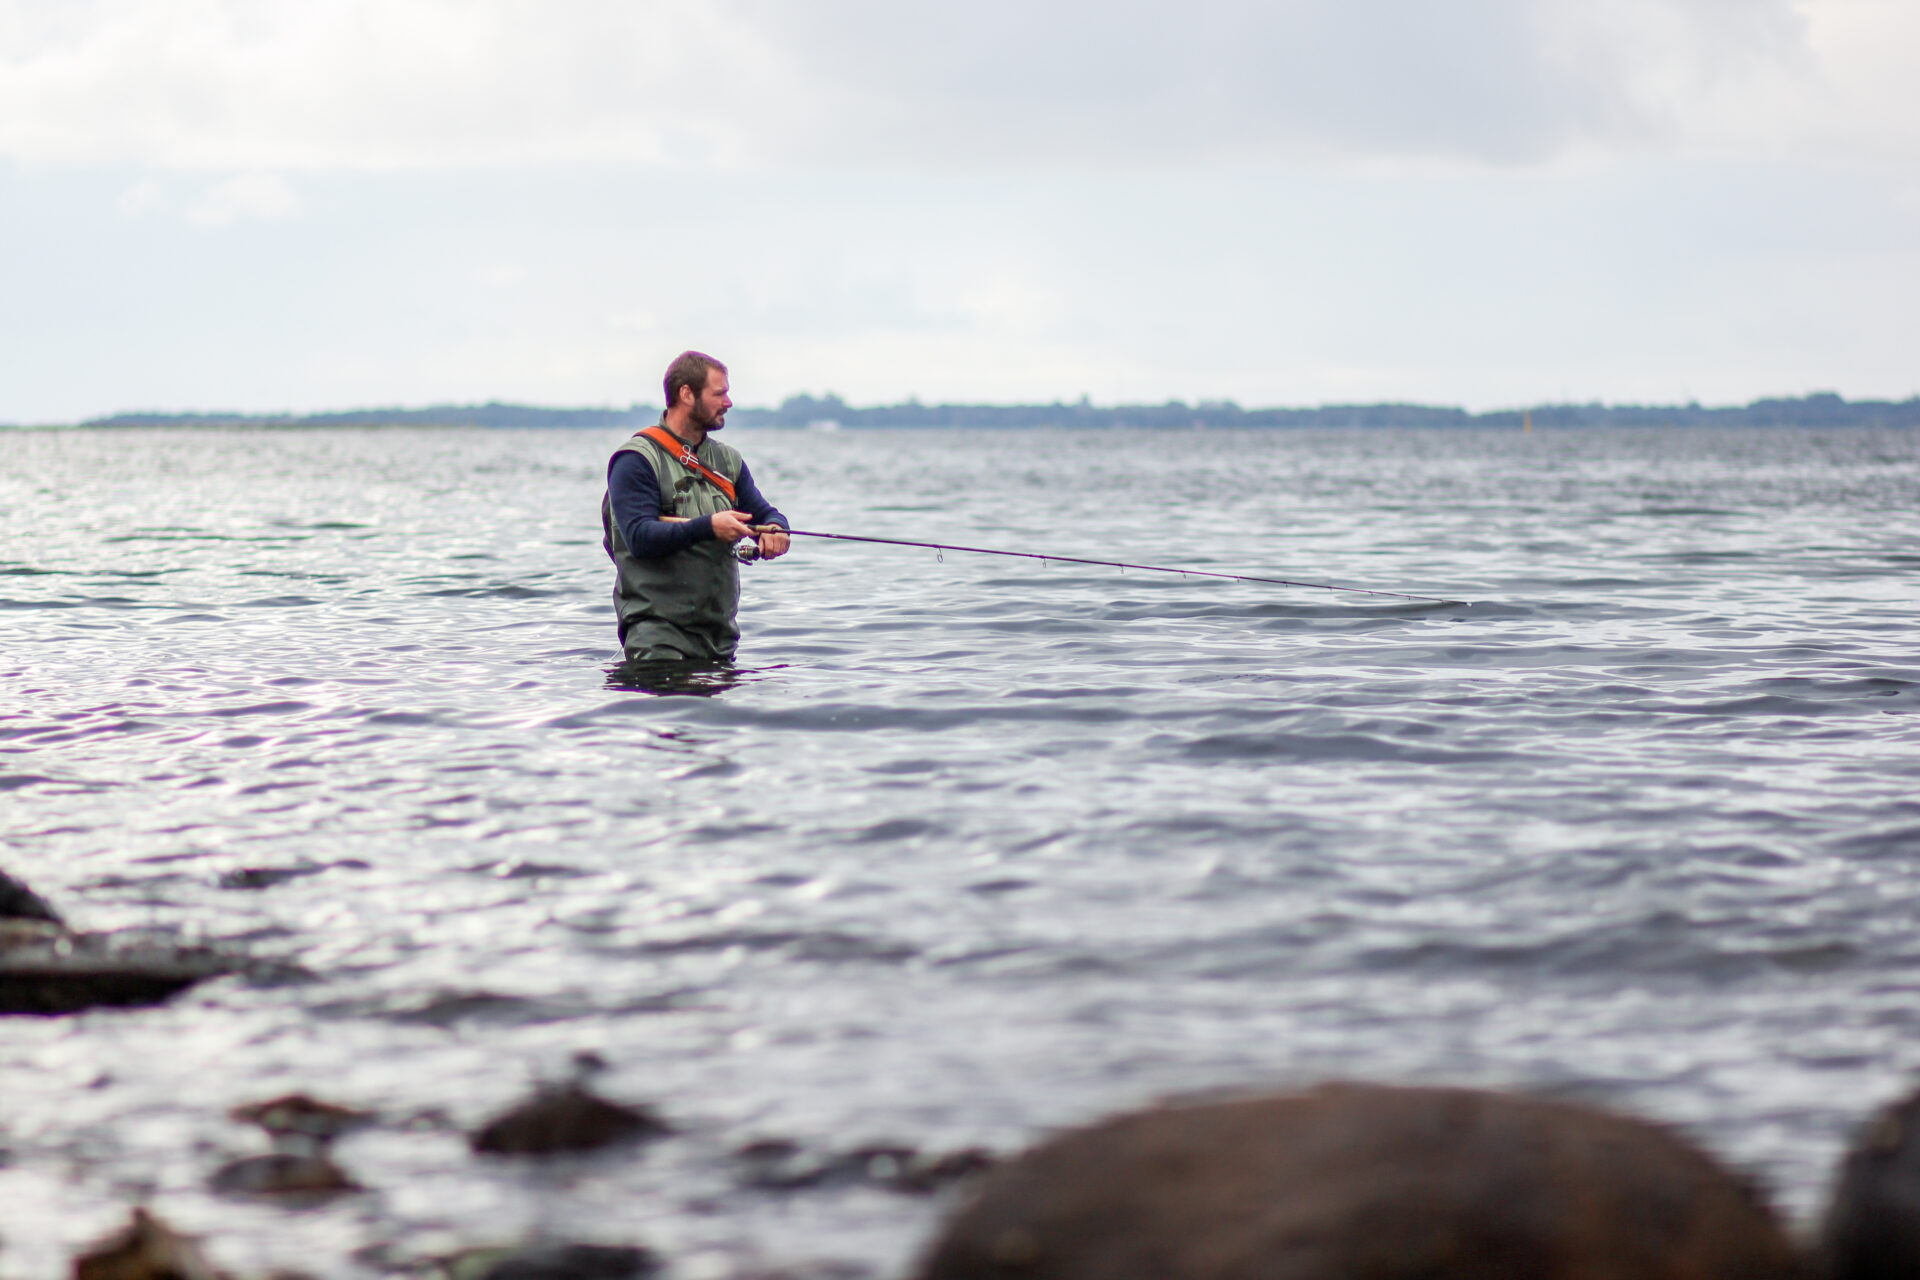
column 146, row 1249
column 563, row 1118
column 780, row 1165
column 928, row 1174
column 553, row 1262
column 263, row 877
column 17, row 932
column 283, row 1173
column 17, row 902
column 297, row 1115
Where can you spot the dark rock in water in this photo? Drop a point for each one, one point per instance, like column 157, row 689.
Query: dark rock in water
column 1872, row 1229
column 555, row 1262
column 17, row 902
column 779, row 1165
column 562, row 1118
column 264, row 877
column 55, row 972
column 297, row 1115
column 1361, row 1181
column 301, row 1167
column 147, row 1249
column 300, row 1176
column 46, row 968
column 926, row 1174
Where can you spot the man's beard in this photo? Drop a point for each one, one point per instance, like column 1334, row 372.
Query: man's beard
column 704, row 421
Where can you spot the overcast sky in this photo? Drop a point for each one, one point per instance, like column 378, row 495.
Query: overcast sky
column 260, row 205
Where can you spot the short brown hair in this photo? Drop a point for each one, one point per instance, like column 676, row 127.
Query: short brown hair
column 689, row 369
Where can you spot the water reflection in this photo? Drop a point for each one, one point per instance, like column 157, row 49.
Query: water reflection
column 691, row 679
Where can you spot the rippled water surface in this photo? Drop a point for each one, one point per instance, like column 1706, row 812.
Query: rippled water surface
column 974, row 847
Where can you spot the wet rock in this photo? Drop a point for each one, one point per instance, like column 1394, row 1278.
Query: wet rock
column 565, row 1118
column 300, row 1168
column 780, row 1165
column 60, row 972
column 1872, row 1227
column 146, row 1249
column 46, row 968
column 1365, row 1181
column 17, row 902
column 553, row 1262
column 298, row 1116
column 17, row 933
column 302, row 1176
column 264, row 877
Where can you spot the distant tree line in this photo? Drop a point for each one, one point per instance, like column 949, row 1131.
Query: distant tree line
column 1824, row 409
column 491, row 414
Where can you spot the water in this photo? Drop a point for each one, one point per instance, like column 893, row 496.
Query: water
column 973, row 848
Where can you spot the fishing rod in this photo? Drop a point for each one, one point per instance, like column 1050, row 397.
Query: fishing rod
column 1104, row 564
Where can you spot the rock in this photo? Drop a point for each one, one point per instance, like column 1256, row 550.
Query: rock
column 563, row 1118
column 146, row 1249
column 924, row 1174
column 263, row 877
column 301, row 1166
column 553, row 1262
column 297, row 1115
column 1872, row 1227
column 56, row 972
column 779, row 1165
column 17, row 933
column 17, row 902
column 1351, row 1181
column 291, row 1175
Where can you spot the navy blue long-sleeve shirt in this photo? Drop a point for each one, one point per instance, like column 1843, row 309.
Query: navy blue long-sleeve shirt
column 634, row 491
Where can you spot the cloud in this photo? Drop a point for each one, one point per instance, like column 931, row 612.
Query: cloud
column 264, row 197
column 372, row 84
column 142, row 198
column 1493, row 80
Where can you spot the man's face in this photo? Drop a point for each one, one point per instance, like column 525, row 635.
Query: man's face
column 709, row 408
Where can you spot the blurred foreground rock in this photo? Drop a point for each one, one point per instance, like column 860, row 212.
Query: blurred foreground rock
column 552, row 1262
column 293, row 1177
column 48, row 969
column 300, row 1169
column 1872, row 1228
column 296, row 1117
column 17, row 902
column 146, row 1249
column 59, row 972
column 565, row 1118
column 1364, row 1182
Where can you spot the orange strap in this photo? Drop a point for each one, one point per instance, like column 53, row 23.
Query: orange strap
column 677, row 449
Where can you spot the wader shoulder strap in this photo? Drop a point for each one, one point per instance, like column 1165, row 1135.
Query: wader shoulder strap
column 677, row 450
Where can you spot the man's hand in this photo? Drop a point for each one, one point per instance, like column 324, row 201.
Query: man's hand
column 773, row 541
column 731, row 526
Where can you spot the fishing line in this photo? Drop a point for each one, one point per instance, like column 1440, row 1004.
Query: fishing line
column 1116, row 564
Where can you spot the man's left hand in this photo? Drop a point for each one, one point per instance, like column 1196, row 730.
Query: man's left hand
column 773, row 542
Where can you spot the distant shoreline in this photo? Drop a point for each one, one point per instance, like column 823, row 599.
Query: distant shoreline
column 1823, row 409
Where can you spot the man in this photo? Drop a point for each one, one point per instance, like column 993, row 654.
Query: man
column 677, row 502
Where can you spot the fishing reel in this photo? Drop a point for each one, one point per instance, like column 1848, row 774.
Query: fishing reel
column 747, row 550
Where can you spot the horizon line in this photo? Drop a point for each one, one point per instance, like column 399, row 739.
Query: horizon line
column 830, row 402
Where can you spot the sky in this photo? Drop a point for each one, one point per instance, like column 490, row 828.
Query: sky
column 254, row 205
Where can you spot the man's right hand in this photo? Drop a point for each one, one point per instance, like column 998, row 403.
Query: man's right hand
column 731, row 526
